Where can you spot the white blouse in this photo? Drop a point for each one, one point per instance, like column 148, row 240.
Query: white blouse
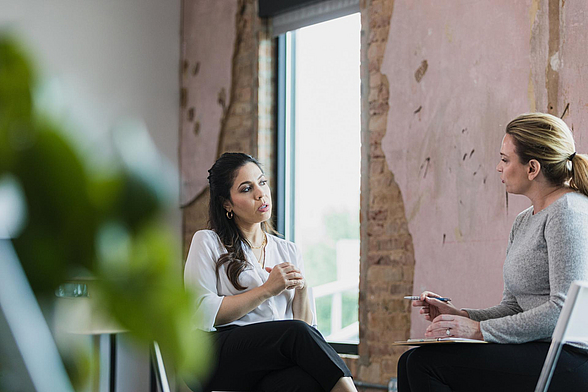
column 200, row 275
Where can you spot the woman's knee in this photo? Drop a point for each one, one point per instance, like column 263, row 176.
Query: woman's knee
column 402, row 373
column 297, row 324
column 403, row 359
column 292, row 379
column 298, row 327
column 417, row 358
column 416, row 362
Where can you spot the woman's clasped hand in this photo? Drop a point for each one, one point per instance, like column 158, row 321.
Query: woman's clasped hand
column 284, row 276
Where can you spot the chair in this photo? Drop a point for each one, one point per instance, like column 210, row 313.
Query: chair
column 570, row 327
column 159, row 380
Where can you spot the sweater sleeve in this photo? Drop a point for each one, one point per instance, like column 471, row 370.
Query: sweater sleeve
column 509, row 305
column 567, row 250
column 200, row 276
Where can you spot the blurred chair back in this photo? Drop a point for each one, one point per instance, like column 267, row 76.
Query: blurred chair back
column 28, row 351
column 572, row 326
column 158, row 369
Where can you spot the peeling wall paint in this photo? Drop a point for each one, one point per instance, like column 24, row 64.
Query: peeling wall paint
column 208, row 45
column 453, row 74
column 539, row 55
column 444, row 132
column 573, row 83
column 233, row 121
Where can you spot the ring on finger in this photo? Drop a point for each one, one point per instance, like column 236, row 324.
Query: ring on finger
column 448, row 332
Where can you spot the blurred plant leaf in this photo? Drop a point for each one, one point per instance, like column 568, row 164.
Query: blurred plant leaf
column 104, row 224
column 141, row 289
column 62, row 221
column 16, row 80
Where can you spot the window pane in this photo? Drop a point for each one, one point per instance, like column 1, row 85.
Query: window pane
column 327, row 169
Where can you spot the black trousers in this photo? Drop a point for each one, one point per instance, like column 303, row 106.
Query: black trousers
column 275, row 356
column 489, row 367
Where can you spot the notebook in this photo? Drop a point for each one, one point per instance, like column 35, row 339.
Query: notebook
column 423, row 341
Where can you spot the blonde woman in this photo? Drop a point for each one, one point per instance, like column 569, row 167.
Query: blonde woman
column 547, row 250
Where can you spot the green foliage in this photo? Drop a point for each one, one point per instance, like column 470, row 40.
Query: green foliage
column 350, row 307
column 322, row 254
column 16, row 80
column 143, row 291
column 322, row 257
column 323, row 314
column 62, row 221
column 342, row 225
column 101, row 224
column 349, row 311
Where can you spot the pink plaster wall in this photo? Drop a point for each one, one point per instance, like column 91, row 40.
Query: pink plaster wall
column 209, row 28
column 485, row 64
column 573, row 70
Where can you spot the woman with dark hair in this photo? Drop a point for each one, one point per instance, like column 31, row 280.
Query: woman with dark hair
column 546, row 251
column 251, row 292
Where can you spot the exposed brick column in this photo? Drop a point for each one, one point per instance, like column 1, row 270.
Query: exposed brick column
column 266, row 105
column 387, row 260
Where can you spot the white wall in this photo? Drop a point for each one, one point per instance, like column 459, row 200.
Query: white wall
column 110, row 59
column 105, row 61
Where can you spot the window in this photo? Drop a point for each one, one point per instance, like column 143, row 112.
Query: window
column 319, row 164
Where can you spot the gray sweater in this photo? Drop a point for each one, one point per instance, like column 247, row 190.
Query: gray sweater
column 545, row 253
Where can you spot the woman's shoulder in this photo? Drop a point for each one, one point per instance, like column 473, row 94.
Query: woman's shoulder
column 576, row 200
column 206, row 237
column 525, row 214
column 205, row 234
column 568, row 212
column 572, row 203
column 282, row 243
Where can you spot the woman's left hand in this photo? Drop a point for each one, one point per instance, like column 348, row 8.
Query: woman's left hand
column 458, row 327
column 298, row 283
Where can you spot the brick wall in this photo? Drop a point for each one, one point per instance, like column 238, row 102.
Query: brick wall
column 537, row 64
column 387, row 260
column 266, row 106
column 239, row 125
column 387, row 257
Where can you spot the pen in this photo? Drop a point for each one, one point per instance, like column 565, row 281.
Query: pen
column 416, row 298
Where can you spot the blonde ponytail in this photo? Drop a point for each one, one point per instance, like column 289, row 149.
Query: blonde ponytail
column 548, row 140
column 579, row 180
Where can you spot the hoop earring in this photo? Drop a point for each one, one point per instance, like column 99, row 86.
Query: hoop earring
column 229, row 215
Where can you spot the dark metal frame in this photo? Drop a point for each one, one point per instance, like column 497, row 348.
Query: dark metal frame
column 112, row 378
column 281, row 133
column 284, row 59
column 269, row 8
